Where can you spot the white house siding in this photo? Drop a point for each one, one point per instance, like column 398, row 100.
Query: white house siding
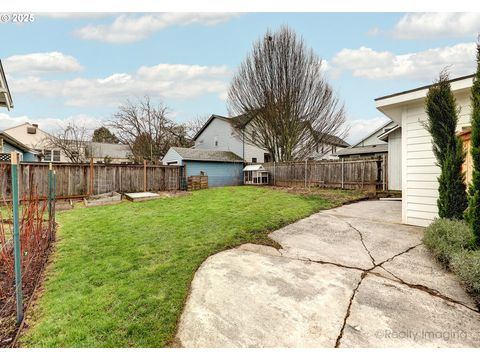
column 227, row 140
column 395, row 160
column 419, row 170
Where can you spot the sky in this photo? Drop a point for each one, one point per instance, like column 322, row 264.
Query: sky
column 80, row 67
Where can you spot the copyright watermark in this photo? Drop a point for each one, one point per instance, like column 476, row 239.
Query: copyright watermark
column 20, row 18
column 422, row 335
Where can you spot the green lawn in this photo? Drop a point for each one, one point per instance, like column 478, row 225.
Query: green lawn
column 121, row 273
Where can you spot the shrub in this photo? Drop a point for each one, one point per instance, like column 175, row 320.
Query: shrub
column 466, row 264
column 446, row 237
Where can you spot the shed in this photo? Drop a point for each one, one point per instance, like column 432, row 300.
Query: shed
column 255, row 175
column 223, row 168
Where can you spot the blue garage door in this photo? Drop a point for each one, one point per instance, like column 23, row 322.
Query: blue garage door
column 219, row 174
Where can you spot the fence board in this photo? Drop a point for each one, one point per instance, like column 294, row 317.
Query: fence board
column 366, row 173
column 73, row 180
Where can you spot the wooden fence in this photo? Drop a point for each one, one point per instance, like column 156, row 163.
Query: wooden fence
column 368, row 173
column 82, row 180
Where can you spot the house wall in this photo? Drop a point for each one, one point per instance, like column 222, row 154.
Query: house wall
column 419, row 169
column 8, row 148
column 38, row 141
column 395, row 160
column 373, row 138
column 228, row 140
column 219, row 174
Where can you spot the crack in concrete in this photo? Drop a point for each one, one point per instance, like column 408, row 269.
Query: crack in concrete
column 361, row 240
column 428, row 290
column 347, row 315
column 399, row 254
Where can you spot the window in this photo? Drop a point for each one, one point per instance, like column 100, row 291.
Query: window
column 49, row 153
column 215, row 142
column 267, row 158
column 254, row 160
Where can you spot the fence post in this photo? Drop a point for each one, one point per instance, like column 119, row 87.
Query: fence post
column 144, row 175
column 384, row 170
column 16, row 238
column 343, row 173
column 306, row 173
column 91, row 177
column 274, row 174
column 50, row 207
column 54, row 197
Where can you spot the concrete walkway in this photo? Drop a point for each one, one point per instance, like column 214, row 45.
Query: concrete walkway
column 347, row 277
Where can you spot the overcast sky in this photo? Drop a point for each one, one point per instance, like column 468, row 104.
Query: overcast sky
column 80, row 67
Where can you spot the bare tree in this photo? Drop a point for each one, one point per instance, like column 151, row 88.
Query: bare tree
column 282, row 94
column 194, row 125
column 72, row 140
column 146, row 129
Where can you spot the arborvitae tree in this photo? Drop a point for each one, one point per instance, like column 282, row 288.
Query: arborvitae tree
column 442, row 122
column 473, row 213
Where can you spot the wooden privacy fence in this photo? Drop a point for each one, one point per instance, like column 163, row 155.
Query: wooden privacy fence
column 367, row 173
column 82, row 180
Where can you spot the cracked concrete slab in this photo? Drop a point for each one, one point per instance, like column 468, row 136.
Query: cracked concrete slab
column 244, row 299
column 385, row 313
column 322, row 289
column 322, row 237
column 419, row 267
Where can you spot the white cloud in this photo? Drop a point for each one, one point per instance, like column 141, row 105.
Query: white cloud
column 175, row 81
column 434, row 25
column 41, row 63
column 131, row 28
column 51, row 125
column 359, row 128
column 424, row 65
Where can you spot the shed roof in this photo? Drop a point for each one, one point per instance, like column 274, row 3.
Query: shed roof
column 206, row 155
column 254, row 167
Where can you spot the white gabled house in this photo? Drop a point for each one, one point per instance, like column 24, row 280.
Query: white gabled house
column 220, row 133
column 419, row 169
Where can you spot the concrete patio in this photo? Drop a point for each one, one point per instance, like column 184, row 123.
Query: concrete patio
column 347, row 277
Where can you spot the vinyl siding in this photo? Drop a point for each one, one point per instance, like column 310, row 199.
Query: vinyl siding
column 419, row 169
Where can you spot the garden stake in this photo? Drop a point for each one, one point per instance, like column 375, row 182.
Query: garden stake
column 16, row 238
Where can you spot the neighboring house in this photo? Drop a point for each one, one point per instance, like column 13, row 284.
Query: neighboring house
column 9, row 145
column 369, row 146
column 384, row 141
column 109, row 153
column 419, row 168
column 37, row 139
column 328, row 149
column 223, row 168
column 221, row 133
column 5, row 96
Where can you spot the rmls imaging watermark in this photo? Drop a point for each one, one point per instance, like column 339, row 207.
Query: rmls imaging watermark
column 19, row 18
column 418, row 335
